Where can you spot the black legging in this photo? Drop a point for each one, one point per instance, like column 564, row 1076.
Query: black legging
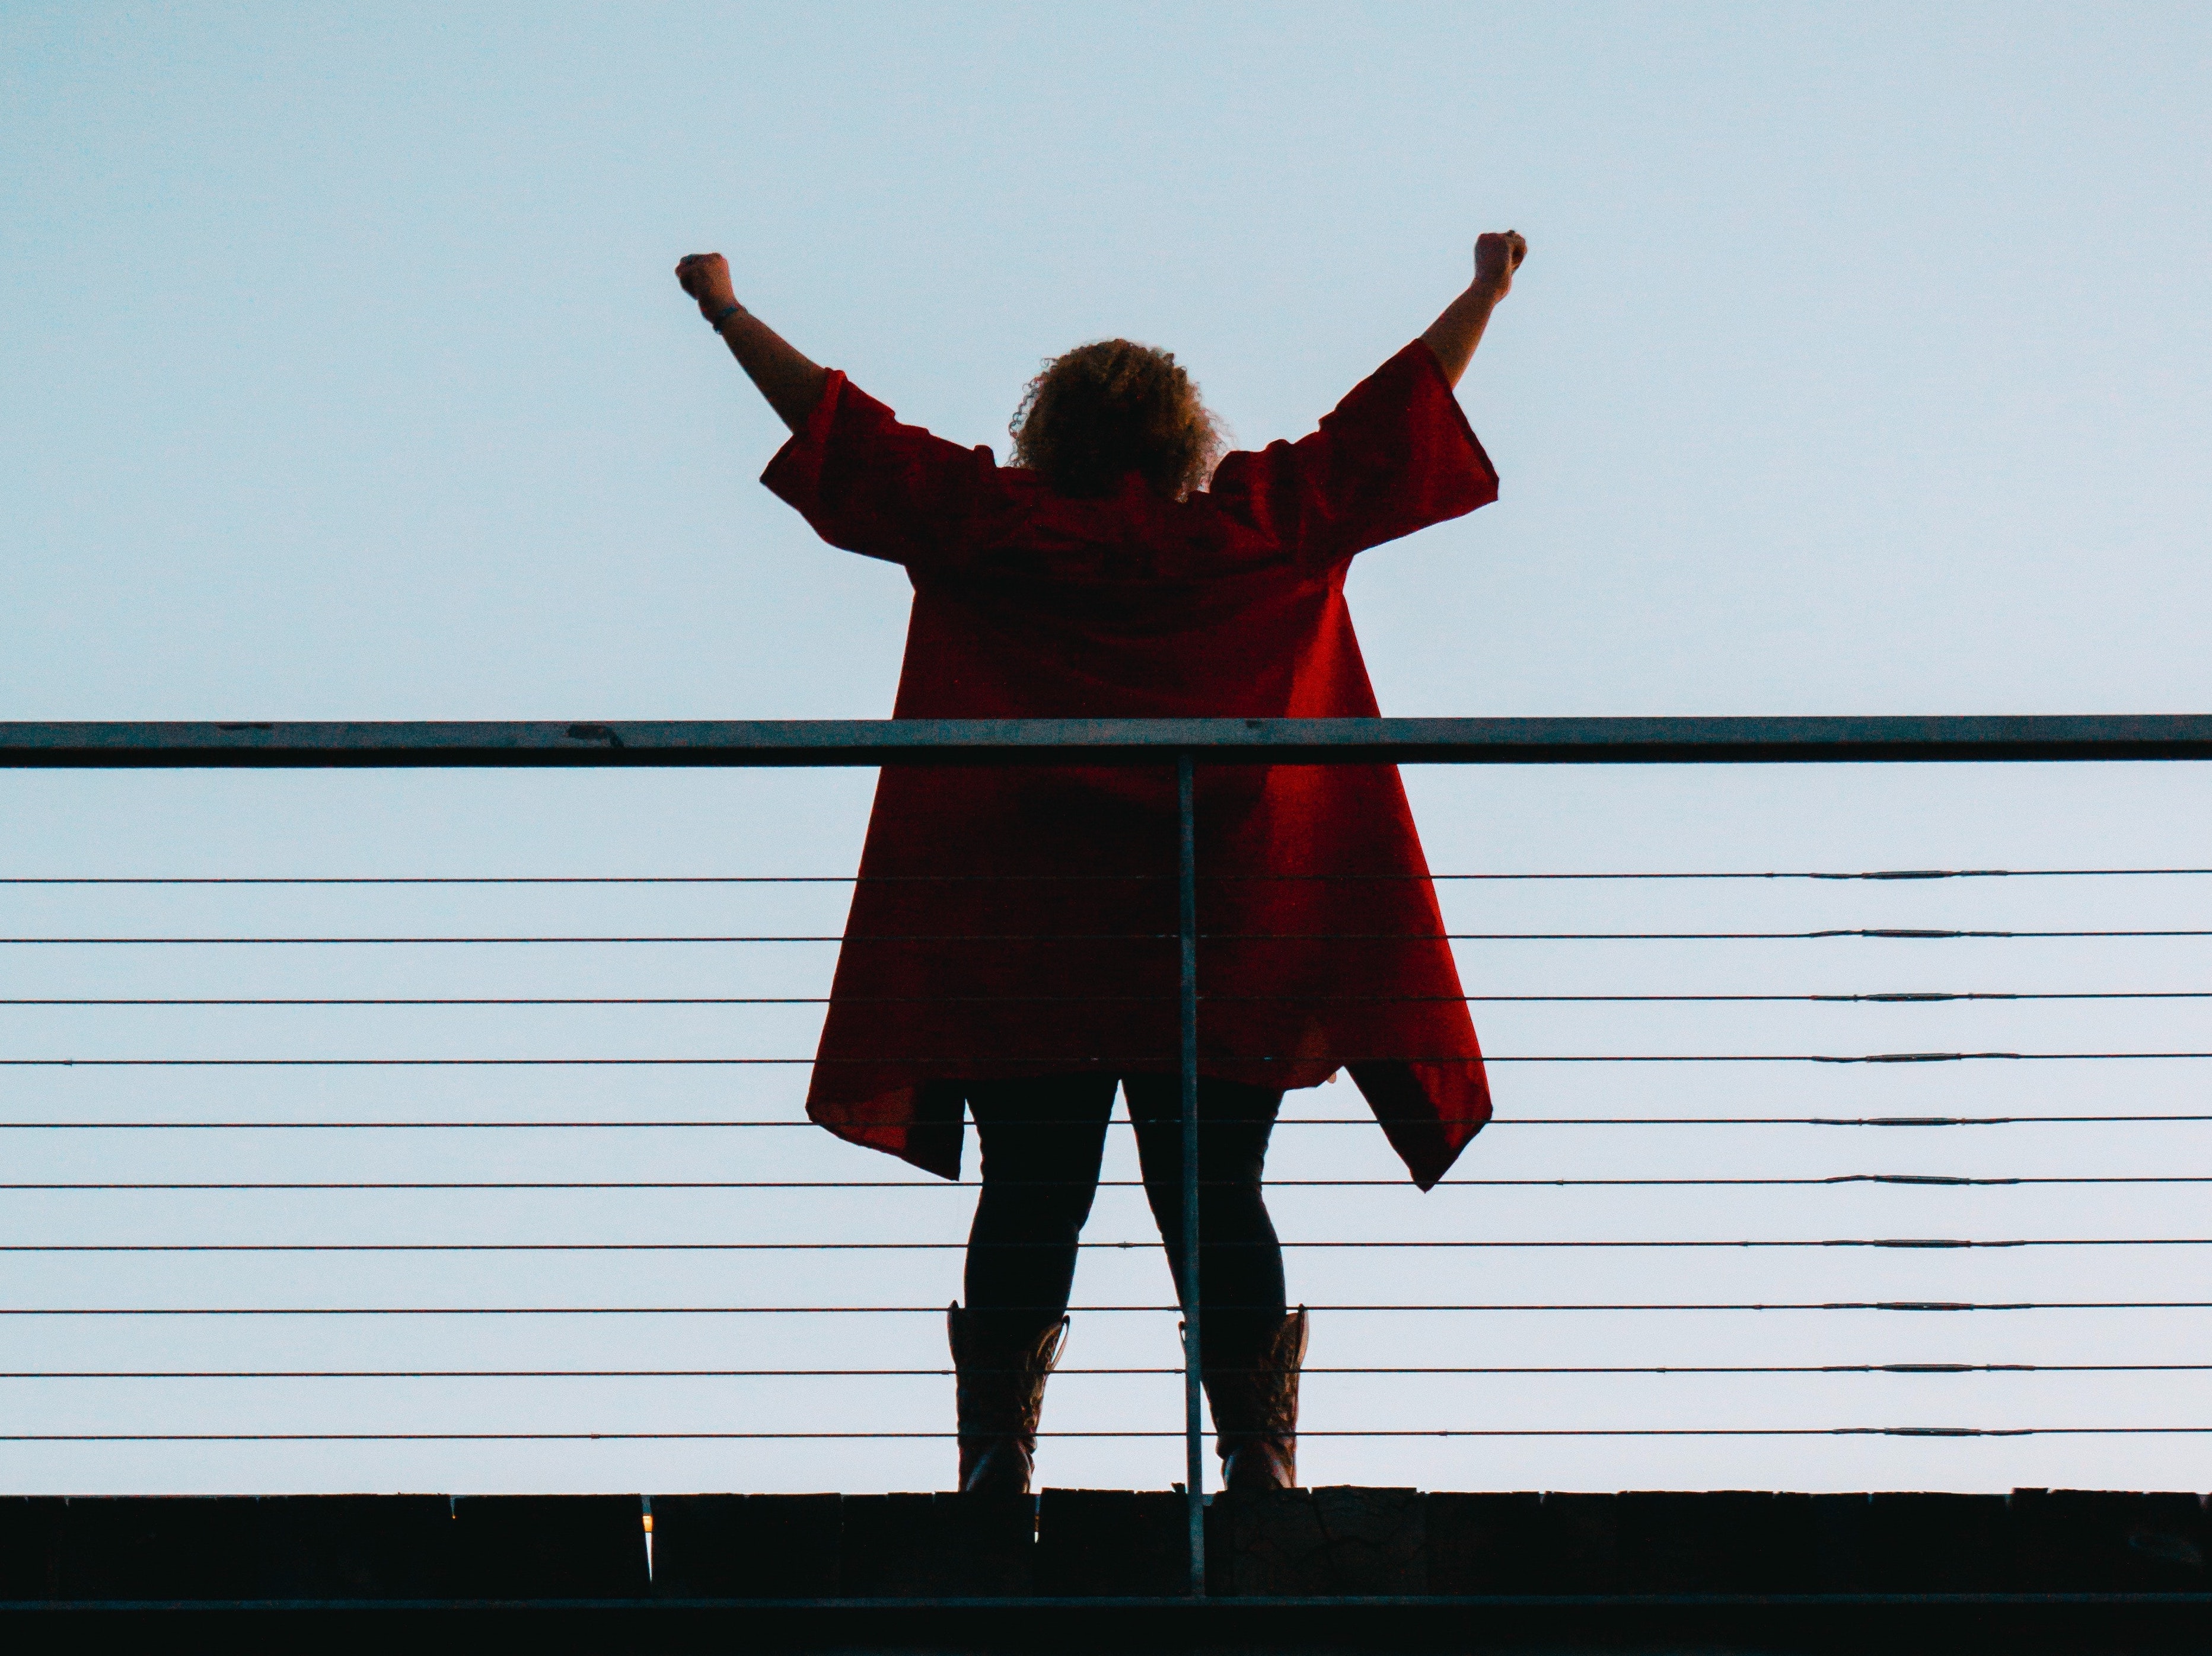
column 1041, row 1143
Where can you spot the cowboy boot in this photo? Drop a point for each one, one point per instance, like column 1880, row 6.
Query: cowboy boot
column 1255, row 1408
column 1000, row 1397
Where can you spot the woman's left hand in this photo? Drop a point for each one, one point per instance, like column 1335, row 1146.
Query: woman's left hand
column 706, row 277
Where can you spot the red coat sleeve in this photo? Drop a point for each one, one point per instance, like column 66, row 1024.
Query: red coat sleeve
column 1396, row 455
column 871, row 485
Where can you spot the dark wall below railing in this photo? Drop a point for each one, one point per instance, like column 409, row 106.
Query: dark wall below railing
column 1095, row 1543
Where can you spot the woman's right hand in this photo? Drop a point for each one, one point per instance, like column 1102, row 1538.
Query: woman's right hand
column 1453, row 336
column 1497, row 256
column 706, row 277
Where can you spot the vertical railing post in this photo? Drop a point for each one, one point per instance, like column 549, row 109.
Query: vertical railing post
column 1193, row 1420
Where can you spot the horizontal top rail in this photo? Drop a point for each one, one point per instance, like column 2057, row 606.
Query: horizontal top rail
column 750, row 742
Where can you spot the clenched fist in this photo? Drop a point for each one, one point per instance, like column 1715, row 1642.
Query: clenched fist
column 706, row 277
column 1496, row 258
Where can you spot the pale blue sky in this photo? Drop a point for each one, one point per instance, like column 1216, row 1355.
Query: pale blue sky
column 1859, row 366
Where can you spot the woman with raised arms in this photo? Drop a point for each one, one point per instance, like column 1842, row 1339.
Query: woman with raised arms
column 1011, row 952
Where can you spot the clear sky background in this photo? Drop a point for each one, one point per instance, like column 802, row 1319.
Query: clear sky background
column 1859, row 366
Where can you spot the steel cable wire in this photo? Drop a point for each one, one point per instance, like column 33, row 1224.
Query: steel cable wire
column 879, row 879
column 1880, row 997
column 1905, row 933
column 942, row 1436
column 942, row 1373
column 952, row 1065
column 961, row 1246
column 938, row 1311
column 946, row 1184
column 803, row 1124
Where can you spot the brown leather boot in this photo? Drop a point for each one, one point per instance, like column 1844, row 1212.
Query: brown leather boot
column 1000, row 1399
column 1255, row 1410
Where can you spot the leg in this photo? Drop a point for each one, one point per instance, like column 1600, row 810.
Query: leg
column 1240, row 1262
column 1041, row 1141
column 1249, row 1347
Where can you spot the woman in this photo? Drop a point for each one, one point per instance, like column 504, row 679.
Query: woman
column 1010, row 951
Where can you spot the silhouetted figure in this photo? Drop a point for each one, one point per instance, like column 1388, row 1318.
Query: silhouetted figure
column 1010, row 946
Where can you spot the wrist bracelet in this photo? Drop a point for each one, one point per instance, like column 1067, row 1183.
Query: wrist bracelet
column 723, row 315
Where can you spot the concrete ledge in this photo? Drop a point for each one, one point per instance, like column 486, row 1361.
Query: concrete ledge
column 1285, row 1543
column 1071, row 1545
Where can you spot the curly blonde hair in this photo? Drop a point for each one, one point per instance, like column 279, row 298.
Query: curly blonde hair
column 1105, row 410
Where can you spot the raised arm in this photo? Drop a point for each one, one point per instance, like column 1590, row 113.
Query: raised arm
column 792, row 383
column 1453, row 336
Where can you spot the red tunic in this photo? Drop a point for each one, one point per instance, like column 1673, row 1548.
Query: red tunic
column 1011, row 922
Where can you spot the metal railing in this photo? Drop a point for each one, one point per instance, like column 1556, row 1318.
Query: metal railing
column 1185, row 745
